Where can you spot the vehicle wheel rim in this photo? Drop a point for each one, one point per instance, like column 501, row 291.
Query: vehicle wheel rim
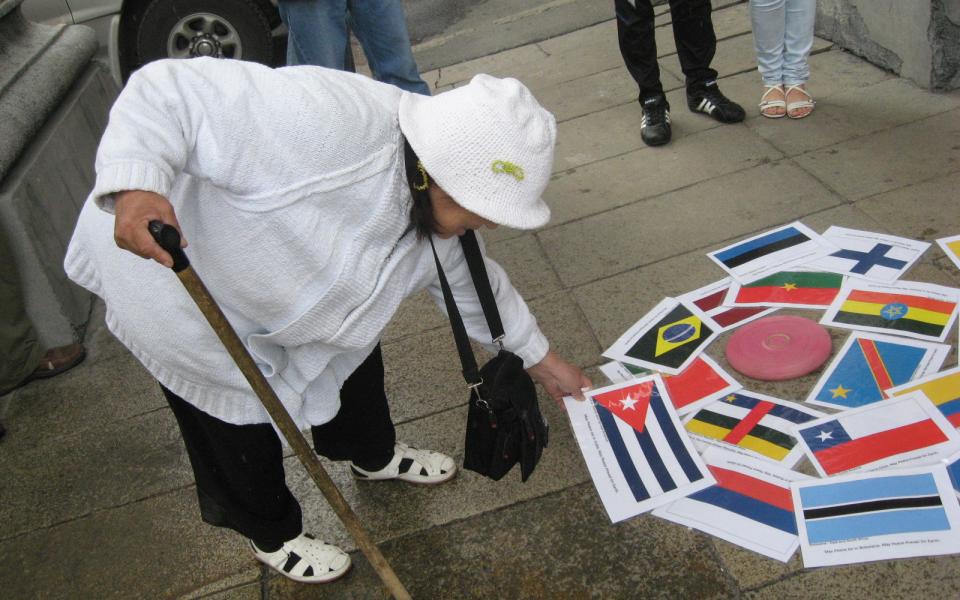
column 204, row 34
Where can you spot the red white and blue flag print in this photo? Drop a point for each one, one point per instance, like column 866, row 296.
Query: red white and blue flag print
column 883, row 514
column 750, row 505
column 637, row 452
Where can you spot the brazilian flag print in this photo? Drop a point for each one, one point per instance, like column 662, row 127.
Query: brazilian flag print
column 673, row 340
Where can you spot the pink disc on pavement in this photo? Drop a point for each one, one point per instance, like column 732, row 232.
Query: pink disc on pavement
column 776, row 348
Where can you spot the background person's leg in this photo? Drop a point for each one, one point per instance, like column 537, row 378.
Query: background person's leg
column 798, row 40
column 317, row 32
column 239, row 474
column 638, row 45
column 695, row 38
column 768, row 18
column 20, row 351
column 381, row 27
column 362, row 431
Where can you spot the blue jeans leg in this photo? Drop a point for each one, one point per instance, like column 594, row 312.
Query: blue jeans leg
column 768, row 18
column 317, row 32
column 798, row 40
column 381, row 27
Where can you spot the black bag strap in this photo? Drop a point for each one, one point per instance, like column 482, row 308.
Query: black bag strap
column 478, row 272
column 471, row 374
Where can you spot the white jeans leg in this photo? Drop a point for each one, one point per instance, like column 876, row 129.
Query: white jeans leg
column 798, row 40
column 768, row 18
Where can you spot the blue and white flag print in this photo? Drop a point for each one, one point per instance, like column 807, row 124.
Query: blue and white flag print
column 638, row 454
column 877, row 516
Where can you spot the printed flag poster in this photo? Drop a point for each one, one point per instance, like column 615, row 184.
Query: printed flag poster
column 943, row 389
column 699, row 384
column 904, row 431
column 918, row 310
column 951, row 247
column 869, row 255
column 754, row 425
column 770, row 252
column 877, row 516
column 953, row 470
column 799, row 288
column 638, row 454
column 666, row 339
column 869, row 364
column 750, row 505
column 712, row 300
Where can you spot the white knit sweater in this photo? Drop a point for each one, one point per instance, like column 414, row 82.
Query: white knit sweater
column 289, row 187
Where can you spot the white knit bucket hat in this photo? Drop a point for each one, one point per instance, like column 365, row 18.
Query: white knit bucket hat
column 488, row 144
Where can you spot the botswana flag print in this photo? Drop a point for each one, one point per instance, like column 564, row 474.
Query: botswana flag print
column 750, row 505
column 760, row 425
column 637, row 452
column 869, row 364
column 943, row 389
column 666, row 339
column 876, row 516
column 770, row 252
column 895, row 310
column 878, row 435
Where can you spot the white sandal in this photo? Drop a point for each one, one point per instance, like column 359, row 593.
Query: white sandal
column 412, row 465
column 306, row 559
column 793, row 106
column 766, row 104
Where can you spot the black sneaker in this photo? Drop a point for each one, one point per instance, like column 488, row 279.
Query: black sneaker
column 709, row 100
column 655, row 125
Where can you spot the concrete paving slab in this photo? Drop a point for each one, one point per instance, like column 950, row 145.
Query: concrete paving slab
column 503, row 64
column 82, row 399
column 647, row 172
column 935, row 214
column 877, row 107
column 909, row 578
column 73, row 475
column 394, row 509
column 234, row 587
column 752, row 570
column 156, row 548
column 423, row 371
column 561, row 547
column 600, row 246
column 876, row 163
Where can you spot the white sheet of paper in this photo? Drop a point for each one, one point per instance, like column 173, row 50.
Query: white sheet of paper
column 754, row 511
column 942, row 388
column 888, row 316
column 951, row 247
column 869, row 423
column 628, row 467
column 815, row 246
column 861, row 381
column 702, row 433
column 869, row 255
column 618, row 372
column 652, row 324
column 918, row 515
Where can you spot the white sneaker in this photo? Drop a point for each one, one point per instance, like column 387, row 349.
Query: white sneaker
column 412, row 465
column 306, row 559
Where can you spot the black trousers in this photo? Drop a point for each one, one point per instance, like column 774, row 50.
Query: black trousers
column 239, row 468
column 692, row 31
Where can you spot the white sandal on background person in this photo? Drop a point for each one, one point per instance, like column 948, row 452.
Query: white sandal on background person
column 766, row 104
column 792, row 107
column 305, row 559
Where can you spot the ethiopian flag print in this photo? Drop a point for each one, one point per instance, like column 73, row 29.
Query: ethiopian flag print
column 905, row 313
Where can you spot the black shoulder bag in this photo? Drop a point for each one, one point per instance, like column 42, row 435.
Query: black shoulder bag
column 504, row 423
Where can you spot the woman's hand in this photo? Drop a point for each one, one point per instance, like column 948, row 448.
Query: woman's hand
column 559, row 377
column 134, row 209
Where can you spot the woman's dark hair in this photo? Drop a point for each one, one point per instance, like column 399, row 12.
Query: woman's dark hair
column 421, row 209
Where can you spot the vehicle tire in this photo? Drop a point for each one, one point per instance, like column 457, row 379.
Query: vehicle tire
column 187, row 28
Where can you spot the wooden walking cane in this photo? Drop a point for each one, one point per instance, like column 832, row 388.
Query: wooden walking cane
column 169, row 239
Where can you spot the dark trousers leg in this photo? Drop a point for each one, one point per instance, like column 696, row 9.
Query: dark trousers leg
column 695, row 38
column 20, row 351
column 239, row 475
column 362, row 432
column 638, row 45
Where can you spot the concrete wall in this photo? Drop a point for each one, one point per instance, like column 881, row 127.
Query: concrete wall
column 917, row 39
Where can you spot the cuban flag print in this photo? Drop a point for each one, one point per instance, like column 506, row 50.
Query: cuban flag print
column 638, row 455
column 880, row 515
column 750, row 505
column 896, row 431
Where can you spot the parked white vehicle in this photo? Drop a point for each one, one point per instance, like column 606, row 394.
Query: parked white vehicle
column 134, row 32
